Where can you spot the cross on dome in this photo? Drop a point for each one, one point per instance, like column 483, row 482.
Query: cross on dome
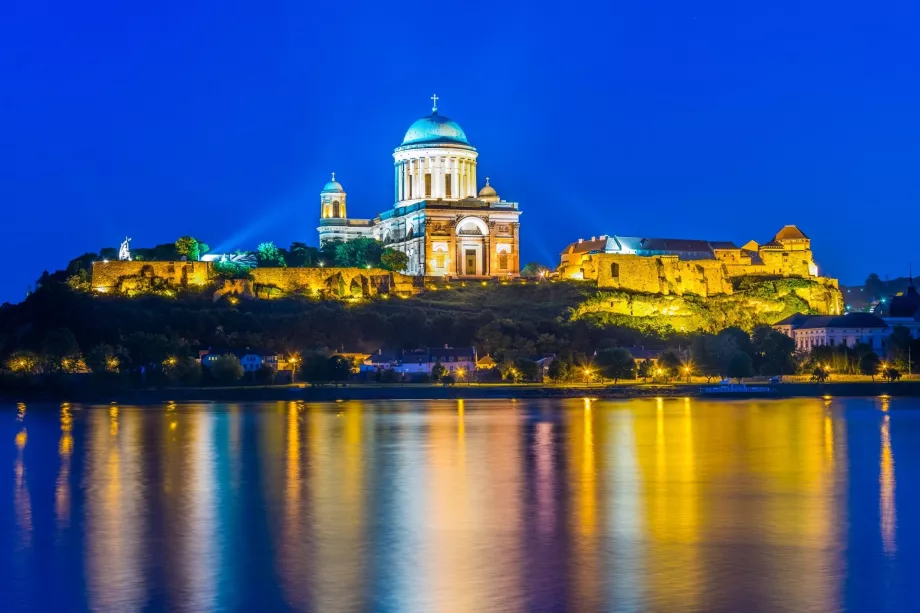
column 333, row 176
column 487, row 181
column 434, row 99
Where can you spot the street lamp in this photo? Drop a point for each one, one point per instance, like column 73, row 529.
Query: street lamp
column 587, row 375
column 687, row 371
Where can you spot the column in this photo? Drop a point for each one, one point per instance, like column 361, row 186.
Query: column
column 463, row 173
column 473, row 176
column 455, row 179
column 399, row 182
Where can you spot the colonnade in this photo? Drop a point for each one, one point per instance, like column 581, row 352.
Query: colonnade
column 412, row 184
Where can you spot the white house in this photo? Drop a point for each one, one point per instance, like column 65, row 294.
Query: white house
column 834, row 330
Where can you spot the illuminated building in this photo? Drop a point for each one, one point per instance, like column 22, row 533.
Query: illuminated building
column 439, row 219
column 681, row 266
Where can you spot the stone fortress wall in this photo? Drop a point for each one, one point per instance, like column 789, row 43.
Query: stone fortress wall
column 125, row 277
column 691, row 272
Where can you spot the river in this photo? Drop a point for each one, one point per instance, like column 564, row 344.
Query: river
column 487, row 505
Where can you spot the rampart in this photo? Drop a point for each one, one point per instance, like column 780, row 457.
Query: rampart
column 131, row 277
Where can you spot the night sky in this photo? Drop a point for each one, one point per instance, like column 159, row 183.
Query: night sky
column 717, row 120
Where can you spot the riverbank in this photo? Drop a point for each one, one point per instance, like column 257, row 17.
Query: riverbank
column 330, row 393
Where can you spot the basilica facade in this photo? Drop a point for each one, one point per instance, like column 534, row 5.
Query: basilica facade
column 440, row 219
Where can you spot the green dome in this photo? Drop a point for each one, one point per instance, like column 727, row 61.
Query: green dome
column 435, row 129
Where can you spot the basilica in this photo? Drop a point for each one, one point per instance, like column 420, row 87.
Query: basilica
column 439, row 220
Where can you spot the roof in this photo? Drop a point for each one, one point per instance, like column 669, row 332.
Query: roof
column 789, row 233
column 435, row 129
column 689, row 248
column 793, row 320
column 446, row 352
column 588, row 246
column 850, row 320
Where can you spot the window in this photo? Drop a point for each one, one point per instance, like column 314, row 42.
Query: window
column 439, row 260
column 503, row 261
column 336, row 209
column 615, row 270
column 427, row 184
column 447, row 186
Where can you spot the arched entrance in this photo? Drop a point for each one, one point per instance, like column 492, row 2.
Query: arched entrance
column 472, row 241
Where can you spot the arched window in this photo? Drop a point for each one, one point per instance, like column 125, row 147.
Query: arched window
column 336, row 209
column 615, row 270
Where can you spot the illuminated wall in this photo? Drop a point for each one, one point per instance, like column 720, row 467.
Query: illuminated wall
column 125, row 277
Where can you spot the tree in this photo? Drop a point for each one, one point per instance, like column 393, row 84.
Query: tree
column 359, row 252
column 646, row 369
column 339, row 369
column 186, row 371
column 302, row 255
column 617, row 363
column 527, row 369
column 394, row 260
column 24, row 362
column 102, row 359
column 704, row 350
column 819, row 374
column 61, row 349
column 268, row 254
column 875, row 287
column 892, row 374
column 532, row 270
column 773, row 351
column 437, row 371
column 328, row 250
column 669, row 364
column 740, row 366
column 191, row 247
column 560, row 371
column 869, row 364
column 227, row 368
column 314, row 368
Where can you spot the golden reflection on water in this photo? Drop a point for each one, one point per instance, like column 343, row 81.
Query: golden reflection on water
column 887, row 511
column 115, row 518
column 62, row 485
column 464, row 505
column 22, row 500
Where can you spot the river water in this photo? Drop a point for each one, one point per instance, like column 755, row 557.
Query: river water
column 556, row 505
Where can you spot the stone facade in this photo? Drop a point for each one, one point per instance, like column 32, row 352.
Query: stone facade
column 439, row 220
column 127, row 277
column 667, row 266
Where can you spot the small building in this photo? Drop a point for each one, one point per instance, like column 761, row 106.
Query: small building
column 380, row 360
column 486, row 363
column 810, row 331
column 421, row 361
column 250, row 359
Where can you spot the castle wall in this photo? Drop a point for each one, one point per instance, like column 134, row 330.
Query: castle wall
column 654, row 275
column 315, row 281
column 107, row 276
column 126, row 276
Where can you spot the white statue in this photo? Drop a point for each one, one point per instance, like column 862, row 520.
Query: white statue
column 124, row 252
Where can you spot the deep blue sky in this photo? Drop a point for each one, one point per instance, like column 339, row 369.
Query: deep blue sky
column 714, row 120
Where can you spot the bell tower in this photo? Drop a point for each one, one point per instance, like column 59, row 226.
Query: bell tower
column 332, row 200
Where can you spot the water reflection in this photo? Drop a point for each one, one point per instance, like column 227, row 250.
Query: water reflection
column 887, row 484
column 659, row 504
